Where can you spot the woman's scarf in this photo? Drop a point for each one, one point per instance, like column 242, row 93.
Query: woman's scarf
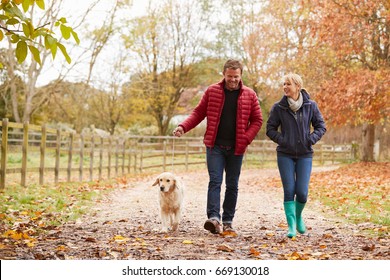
column 295, row 104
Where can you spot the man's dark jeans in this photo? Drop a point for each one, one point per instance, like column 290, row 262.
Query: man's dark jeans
column 220, row 158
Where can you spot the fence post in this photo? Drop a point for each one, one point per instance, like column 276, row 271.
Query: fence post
column 109, row 157
column 81, row 157
column 58, row 152
column 116, row 156
column 141, row 159
column 135, row 156
column 70, row 155
column 42, row 158
column 123, row 155
column 24, row 154
column 91, row 155
column 101, row 157
column 4, row 150
column 129, row 147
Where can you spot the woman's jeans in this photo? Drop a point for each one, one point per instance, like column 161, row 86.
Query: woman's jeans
column 295, row 175
column 221, row 158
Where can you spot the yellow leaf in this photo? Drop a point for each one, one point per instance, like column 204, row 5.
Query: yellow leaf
column 30, row 244
column 61, row 248
column 13, row 234
column 187, row 242
column 121, row 239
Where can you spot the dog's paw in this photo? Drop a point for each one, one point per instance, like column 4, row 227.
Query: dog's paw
column 175, row 227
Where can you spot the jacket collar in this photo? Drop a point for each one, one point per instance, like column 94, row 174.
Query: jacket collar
column 306, row 99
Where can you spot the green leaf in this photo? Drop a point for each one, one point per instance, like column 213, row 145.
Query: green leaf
column 75, row 36
column 53, row 49
column 14, row 38
column 30, row 27
column 65, row 31
column 4, row 17
column 14, row 11
column 39, row 32
column 40, row 4
column 21, row 51
column 62, row 20
column 26, row 4
column 49, row 41
column 1, row 35
column 12, row 21
column 64, row 52
column 36, row 54
column 26, row 30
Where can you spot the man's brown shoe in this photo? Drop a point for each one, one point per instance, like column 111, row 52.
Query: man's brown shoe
column 228, row 228
column 213, row 226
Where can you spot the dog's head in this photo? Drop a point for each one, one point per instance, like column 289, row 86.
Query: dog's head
column 166, row 181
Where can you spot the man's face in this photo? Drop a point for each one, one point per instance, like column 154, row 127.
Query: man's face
column 232, row 78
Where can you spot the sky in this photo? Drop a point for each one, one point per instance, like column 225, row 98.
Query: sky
column 72, row 13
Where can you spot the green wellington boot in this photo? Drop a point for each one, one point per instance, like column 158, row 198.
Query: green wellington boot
column 289, row 210
column 300, row 224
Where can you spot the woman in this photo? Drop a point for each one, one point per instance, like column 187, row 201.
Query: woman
column 294, row 114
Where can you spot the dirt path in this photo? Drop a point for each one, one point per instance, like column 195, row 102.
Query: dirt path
column 126, row 226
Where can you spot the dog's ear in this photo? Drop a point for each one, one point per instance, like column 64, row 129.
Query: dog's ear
column 175, row 183
column 157, row 182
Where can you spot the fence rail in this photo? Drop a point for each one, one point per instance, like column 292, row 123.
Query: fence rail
column 42, row 155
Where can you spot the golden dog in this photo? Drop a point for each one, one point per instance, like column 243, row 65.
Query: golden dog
column 171, row 200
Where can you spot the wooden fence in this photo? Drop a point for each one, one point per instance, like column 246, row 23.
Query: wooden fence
column 38, row 154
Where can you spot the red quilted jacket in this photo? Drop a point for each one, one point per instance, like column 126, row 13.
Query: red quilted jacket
column 249, row 116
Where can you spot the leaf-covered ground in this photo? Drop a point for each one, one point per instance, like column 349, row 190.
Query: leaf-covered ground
column 126, row 224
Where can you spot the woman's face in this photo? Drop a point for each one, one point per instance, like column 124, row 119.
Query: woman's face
column 291, row 89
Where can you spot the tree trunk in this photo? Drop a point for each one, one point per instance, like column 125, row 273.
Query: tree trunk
column 368, row 140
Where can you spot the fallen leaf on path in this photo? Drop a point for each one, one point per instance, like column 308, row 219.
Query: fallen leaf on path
column 120, row 239
column 225, row 248
column 254, row 252
column 229, row 234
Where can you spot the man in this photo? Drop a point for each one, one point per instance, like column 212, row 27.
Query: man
column 233, row 119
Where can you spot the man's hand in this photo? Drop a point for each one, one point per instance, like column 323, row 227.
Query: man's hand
column 178, row 131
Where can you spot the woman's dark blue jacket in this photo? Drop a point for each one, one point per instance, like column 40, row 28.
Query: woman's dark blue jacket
column 295, row 137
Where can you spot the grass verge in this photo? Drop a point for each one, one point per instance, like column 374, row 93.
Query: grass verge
column 357, row 192
column 27, row 212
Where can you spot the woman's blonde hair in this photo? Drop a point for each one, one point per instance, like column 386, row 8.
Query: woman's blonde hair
column 295, row 78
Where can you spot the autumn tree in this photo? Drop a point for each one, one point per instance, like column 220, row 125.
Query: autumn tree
column 358, row 32
column 30, row 31
column 165, row 42
column 68, row 104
